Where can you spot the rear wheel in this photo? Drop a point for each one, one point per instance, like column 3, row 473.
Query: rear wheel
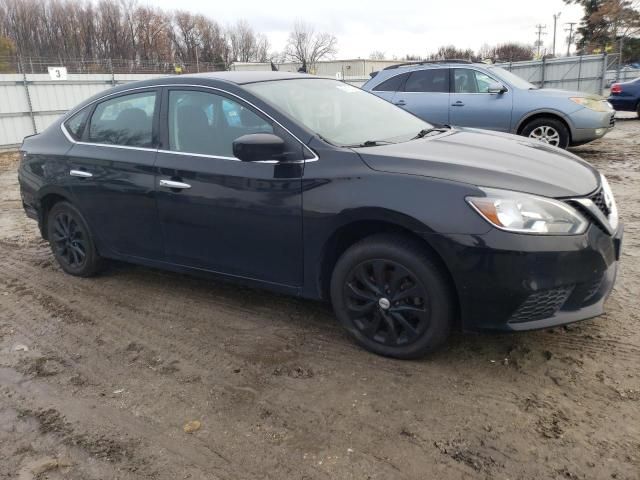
column 392, row 297
column 548, row 130
column 638, row 109
column 71, row 241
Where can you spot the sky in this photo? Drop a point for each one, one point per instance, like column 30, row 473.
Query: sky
column 415, row 27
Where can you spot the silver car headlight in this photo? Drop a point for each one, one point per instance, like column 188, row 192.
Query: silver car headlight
column 610, row 202
column 524, row 213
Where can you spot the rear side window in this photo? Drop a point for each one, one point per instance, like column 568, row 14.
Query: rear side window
column 126, row 120
column 431, row 80
column 393, row 84
column 75, row 125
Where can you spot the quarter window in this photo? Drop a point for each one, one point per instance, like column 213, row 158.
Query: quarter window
column 206, row 123
column 431, row 80
column 394, row 84
column 75, row 125
column 126, row 120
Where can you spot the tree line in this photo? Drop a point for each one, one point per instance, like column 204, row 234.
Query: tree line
column 122, row 29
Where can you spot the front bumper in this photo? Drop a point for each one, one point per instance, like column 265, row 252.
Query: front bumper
column 589, row 125
column 512, row 282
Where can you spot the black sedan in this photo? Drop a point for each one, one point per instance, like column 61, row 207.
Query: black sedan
column 315, row 188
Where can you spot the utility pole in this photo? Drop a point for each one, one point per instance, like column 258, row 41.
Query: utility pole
column 570, row 40
column 540, row 31
column 556, row 16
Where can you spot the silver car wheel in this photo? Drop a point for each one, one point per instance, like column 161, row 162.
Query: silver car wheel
column 546, row 134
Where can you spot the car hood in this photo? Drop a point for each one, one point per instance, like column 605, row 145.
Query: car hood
column 488, row 159
column 555, row 92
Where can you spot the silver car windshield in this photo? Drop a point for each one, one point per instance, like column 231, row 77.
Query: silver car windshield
column 512, row 79
column 338, row 112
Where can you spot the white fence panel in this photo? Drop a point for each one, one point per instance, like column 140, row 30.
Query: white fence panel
column 49, row 99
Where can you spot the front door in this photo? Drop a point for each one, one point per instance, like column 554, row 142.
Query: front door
column 224, row 215
column 473, row 106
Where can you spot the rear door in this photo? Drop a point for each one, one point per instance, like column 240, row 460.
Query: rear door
column 473, row 106
column 426, row 94
column 111, row 167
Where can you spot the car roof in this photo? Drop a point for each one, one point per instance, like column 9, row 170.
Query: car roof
column 394, row 70
column 242, row 77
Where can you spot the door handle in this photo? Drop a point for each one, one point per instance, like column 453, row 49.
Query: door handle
column 174, row 184
column 80, row 174
column 400, row 103
column 458, row 104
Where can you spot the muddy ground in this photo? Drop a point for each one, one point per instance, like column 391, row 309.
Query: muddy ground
column 98, row 377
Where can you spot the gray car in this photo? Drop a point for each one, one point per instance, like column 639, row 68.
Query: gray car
column 485, row 96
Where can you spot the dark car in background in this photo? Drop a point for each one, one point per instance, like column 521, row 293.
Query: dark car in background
column 625, row 96
column 315, row 188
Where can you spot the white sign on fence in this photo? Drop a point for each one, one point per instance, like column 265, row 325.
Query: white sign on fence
column 58, row 73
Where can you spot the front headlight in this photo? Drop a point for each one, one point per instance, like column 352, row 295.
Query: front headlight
column 525, row 213
column 595, row 104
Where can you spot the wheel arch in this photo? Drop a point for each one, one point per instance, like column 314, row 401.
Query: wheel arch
column 350, row 233
column 545, row 114
column 46, row 203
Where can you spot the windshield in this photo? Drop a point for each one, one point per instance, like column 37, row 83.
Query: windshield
column 338, row 112
column 512, row 79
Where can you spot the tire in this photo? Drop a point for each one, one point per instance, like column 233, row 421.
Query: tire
column 548, row 130
column 71, row 241
column 638, row 110
column 371, row 315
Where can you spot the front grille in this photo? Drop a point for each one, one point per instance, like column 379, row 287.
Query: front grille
column 542, row 304
column 598, row 199
column 612, row 120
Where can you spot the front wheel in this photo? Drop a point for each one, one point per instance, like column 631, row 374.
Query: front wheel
column 392, row 297
column 547, row 130
column 71, row 241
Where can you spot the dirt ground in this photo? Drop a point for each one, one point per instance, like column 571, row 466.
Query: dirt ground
column 98, row 377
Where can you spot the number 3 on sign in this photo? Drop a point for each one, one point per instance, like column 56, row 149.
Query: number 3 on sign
column 58, row 73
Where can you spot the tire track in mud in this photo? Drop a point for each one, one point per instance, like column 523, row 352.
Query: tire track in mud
column 108, row 368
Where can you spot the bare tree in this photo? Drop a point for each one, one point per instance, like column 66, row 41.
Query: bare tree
column 307, row 46
column 450, row 52
column 376, row 55
column 243, row 42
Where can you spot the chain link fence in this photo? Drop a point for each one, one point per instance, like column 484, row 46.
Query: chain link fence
column 32, row 65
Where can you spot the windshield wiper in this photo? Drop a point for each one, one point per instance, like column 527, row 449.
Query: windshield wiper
column 370, row 143
column 427, row 131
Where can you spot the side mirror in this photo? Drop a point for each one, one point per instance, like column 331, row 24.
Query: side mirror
column 496, row 88
column 258, row 146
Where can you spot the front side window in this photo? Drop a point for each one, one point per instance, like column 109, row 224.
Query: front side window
column 431, row 80
column 340, row 113
column 206, row 123
column 125, row 120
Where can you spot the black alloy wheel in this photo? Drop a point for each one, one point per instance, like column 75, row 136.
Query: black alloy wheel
column 71, row 241
column 393, row 296
column 386, row 302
